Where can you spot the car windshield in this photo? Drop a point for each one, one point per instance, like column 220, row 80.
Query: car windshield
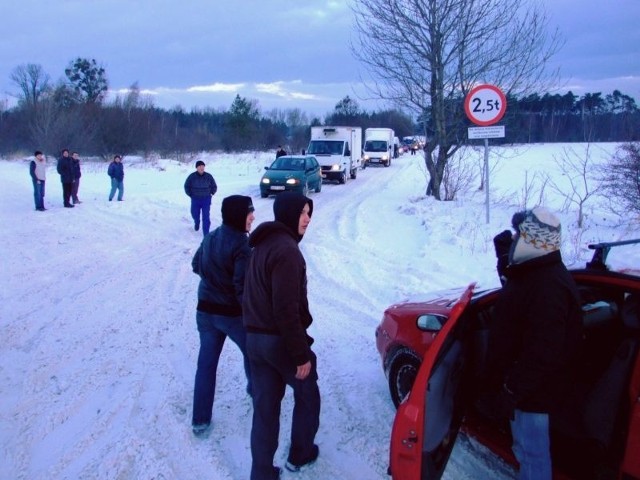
column 325, row 147
column 288, row 163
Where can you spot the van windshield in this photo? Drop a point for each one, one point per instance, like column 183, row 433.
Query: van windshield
column 326, row 147
column 375, row 146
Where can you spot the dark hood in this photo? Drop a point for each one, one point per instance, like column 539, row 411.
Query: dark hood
column 287, row 208
column 235, row 210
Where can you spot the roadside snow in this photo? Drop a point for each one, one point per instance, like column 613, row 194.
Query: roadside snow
column 97, row 314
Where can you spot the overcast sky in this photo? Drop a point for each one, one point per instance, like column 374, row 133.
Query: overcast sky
column 283, row 53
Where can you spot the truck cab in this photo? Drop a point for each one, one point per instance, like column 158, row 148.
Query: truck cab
column 338, row 151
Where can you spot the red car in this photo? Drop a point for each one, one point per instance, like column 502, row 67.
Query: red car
column 433, row 353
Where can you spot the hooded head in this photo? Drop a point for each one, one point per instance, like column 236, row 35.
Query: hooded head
column 287, row 208
column 235, row 210
column 538, row 234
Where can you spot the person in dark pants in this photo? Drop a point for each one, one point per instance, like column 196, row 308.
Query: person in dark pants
column 77, row 173
column 65, row 169
column 276, row 316
column 200, row 186
column 220, row 262
column 536, row 336
column 116, row 172
column 38, row 172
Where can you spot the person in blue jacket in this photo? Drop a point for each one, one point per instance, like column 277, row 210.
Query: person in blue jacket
column 38, row 172
column 220, row 261
column 200, row 186
column 116, row 172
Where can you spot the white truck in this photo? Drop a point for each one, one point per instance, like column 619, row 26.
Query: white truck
column 338, row 151
column 378, row 146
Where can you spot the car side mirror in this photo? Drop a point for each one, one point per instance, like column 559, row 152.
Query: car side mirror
column 266, row 168
column 431, row 323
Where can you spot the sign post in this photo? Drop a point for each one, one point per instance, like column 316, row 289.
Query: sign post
column 485, row 105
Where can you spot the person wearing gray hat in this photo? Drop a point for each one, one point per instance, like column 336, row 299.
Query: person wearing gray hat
column 221, row 263
column 535, row 336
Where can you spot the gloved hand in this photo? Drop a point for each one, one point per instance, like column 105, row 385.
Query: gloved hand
column 502, row 243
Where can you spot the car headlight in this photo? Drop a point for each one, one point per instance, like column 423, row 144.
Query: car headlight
column 335, row 167
column 292, row 181
column 366, row 157
column 385, row 157
column 266, row 181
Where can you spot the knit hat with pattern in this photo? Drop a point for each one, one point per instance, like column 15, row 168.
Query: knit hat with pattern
column 538, row 234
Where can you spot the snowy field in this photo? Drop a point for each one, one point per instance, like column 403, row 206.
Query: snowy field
column 97, row 311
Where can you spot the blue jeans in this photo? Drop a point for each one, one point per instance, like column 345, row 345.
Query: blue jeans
column 201, row 204
column 272, row 370
column 116, row 185
column 530, row 432
column 38, row 194
column 213, row 330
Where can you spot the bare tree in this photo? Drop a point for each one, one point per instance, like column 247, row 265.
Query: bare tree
column 581, row 179
column 32, row 81
column 428, row 54
column 622, row 180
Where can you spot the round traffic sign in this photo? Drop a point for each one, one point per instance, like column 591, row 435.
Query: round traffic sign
column 485, row 105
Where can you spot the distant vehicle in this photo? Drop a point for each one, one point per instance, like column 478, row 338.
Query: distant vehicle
column 409, row 143
column 338, row 150
column 434, row 354
column 291, row 173
column 378, row 146
column 396, row 147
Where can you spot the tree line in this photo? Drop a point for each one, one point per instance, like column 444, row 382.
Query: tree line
column 74, row 113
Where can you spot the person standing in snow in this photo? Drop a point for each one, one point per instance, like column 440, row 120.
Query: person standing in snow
column 116, row 172
column 65, row 169
column 221, row 262
column 280, row 152
column 535, row 338
column 200, row 186
column 276, row 316
column 75, row 159
column 38, row 172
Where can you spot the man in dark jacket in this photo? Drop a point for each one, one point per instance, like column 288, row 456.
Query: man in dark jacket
column 280, row 152
column 200, row 186
column 276, row 317
column 116, row 173
column 535, row 339
column 65, row 169
column 221, row 263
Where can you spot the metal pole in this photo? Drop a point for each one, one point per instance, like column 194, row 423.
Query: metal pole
column 486, row 177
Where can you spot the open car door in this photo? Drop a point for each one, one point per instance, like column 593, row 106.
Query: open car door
column 427, row 422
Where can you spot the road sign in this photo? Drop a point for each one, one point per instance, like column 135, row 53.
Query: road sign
column 485, row 105
column 496, row 131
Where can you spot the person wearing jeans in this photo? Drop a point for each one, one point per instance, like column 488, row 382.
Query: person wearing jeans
column 38, row 172
column 535, row 338
column 116, row 173
column 220, row 261
column 65, row 169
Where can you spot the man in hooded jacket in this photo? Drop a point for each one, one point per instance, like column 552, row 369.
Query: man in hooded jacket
column 220, row 262
column 276, row 316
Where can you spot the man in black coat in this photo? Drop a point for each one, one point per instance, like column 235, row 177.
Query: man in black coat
column 65, row 169
column 276, row 316
column 535, row 339
column 200, row 186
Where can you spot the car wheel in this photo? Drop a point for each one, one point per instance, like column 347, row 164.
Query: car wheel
column 305, row 189
column 343, row 178
column 263, row 195
column 319, row 186
column 402, row 373
column 387, row 163
column 354, row 174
